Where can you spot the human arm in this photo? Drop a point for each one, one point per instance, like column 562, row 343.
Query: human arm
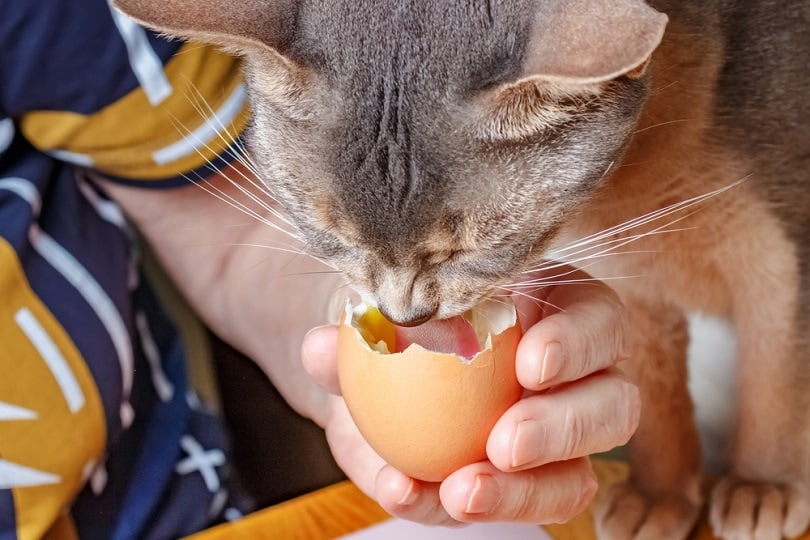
column 243, row 277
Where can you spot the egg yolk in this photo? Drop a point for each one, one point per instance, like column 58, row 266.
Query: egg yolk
column 455, row 335
column 377, row 330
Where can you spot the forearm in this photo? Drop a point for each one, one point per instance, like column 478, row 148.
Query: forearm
column 246, row 279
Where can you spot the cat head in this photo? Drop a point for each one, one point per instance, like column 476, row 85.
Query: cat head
column 430, row 150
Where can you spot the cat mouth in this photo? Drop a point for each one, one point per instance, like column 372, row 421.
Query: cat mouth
column 464, row 335
column 455, row 335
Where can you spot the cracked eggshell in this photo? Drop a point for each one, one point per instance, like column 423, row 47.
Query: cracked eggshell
column 427, row 413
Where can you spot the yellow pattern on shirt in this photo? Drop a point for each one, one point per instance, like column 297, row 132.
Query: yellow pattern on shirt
column 121, row 139
column 57, row 441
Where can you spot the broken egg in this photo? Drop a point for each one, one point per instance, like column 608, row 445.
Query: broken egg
column 426, row 398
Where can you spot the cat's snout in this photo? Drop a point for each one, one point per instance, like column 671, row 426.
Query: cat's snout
column 413, row 318
column 405, row 296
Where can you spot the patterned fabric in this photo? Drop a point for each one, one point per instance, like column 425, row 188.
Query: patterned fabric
column 100, row 436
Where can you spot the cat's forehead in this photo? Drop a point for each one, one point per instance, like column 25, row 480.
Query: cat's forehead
column 397, row 68
column 431, row 40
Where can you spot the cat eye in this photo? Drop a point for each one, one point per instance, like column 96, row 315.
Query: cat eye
column 528, row 109
column 440, row 257
column 520, row 117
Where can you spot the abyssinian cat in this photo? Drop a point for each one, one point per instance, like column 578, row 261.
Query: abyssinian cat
column 434, row 151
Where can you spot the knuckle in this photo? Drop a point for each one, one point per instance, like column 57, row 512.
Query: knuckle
column 629, row 402
column 589, row 488
column 526, row 507
column 574, row 434
column 583, row 492
column 600, row 340
column 609, row 339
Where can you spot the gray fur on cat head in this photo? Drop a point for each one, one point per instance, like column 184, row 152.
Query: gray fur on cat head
column 430, row 150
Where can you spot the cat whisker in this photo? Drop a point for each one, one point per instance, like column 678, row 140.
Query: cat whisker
column 289, row 248
column 607, row 169
column 540, row 302
column 238, row 205
column 499, row 298
column 292, row 250
column 255, row 198
column 283, row 248
column 647, row 218
column 230, row 138
column 229, row 199
column 657, row 90
column 613, row 250
column 545, row 279
column 661, row 124
column 314, row 273
column 535, row 284
column 559, row 260
column 239, row 153
column 600, row 245
column 620, row 228
column 611, row 246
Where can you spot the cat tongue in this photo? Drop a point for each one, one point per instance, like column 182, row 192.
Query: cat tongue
column 454, row 335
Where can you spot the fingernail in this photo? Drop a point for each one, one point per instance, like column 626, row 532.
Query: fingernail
column 552, row 361
column 484, row 495
column 528, row 440
column 410, row 495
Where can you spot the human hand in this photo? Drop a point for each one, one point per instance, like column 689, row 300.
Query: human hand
column 575, row 404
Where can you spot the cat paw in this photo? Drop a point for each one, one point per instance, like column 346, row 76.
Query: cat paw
column 626, row 513
column 742, row 510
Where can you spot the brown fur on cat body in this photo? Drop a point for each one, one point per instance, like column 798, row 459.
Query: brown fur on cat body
column 744, row 257
column 435, row 151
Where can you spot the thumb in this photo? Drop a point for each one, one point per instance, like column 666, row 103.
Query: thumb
column 319, row 357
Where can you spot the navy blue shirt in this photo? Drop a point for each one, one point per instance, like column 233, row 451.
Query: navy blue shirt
column 100, row 434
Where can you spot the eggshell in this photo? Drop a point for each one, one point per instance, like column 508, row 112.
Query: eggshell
column 427, row 413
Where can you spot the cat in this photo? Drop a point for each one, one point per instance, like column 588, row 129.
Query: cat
column 436, row 151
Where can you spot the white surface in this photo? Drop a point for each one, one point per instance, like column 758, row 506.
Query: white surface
column 713, row 385
column 398, row 529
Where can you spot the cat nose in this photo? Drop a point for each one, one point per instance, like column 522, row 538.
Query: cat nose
column 413, row 318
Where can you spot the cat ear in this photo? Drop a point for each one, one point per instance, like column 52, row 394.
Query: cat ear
column 591, row 41
column 242, row 25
